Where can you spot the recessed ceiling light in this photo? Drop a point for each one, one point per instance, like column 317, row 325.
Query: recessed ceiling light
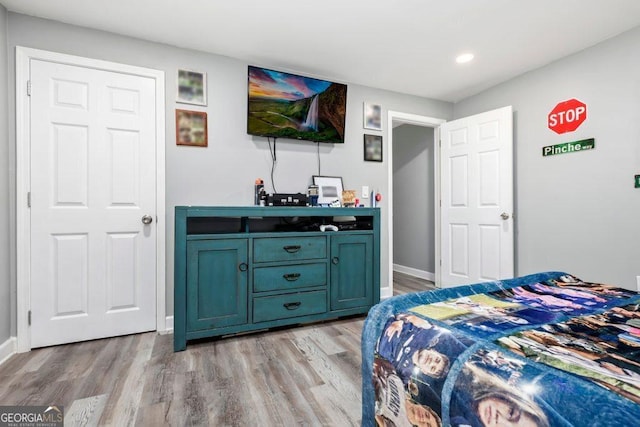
column 465, row 57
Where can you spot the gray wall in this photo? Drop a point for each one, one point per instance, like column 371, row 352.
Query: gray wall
column 223, row 173
column 577, row 212
column 413, row 192
column 5, row 180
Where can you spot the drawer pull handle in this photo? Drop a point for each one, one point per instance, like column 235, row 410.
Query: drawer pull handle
column 292, row 305
column 335, row 260
column 243, row 267
column 292, row 249
column 291, row 277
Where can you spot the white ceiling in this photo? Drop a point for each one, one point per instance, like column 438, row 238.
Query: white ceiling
column 401, row 45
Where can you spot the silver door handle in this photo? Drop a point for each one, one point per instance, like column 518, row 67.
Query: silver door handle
column 504, row 216
column 147, row 219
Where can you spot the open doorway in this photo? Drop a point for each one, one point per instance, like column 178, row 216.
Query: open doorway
column 414, row 204
column 420, row 256
column 481, row 184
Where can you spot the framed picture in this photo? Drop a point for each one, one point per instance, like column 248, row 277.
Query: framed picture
column 192, row 87
column 191, row 128
column 372, row 116
column 329, row 189
column 373, row 148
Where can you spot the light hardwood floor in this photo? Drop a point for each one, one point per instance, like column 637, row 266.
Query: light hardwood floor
column 300, row 376
column 404, row 283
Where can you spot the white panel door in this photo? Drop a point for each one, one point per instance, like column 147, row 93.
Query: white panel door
column 476, row 158
column 93, row 149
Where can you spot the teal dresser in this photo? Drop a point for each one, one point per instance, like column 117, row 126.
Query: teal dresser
column 240, row 269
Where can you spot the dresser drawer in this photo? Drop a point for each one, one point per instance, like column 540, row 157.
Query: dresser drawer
column 289, row 305
column 289, row 277
column 289, row 248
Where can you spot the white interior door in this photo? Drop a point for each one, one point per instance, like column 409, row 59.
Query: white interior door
column 93, row 178
column 477, row 198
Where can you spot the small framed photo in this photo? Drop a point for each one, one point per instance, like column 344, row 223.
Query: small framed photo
column 191, row 128
column 192, row 87
column 373, row 148
column 329, row 190
column 372, row 116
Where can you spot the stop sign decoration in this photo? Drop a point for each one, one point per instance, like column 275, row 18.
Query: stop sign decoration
column 567, row 116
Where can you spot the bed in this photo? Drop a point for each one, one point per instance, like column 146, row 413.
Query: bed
column 546, row 349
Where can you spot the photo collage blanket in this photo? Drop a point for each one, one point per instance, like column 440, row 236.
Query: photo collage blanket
column 552, row 352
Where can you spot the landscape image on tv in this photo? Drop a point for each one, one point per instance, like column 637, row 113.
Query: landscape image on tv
column 284, row 105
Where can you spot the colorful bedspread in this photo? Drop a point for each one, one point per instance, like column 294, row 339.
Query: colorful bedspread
column 541, row 350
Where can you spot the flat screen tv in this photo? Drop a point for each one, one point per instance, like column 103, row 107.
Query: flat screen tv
column 283, row 105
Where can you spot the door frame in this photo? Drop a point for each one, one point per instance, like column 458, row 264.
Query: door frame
column 23, row 184
column 424, row 121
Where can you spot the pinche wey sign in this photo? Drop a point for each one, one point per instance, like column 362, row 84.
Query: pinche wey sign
column 569, row 147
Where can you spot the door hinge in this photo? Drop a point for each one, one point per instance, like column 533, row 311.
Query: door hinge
column 28, row 87
column 29, row 199
column 29, row 318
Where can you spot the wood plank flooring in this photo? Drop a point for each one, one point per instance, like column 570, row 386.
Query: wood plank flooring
column 300, row 376
column 404, row 283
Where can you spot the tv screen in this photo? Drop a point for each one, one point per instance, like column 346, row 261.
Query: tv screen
column 283, row 105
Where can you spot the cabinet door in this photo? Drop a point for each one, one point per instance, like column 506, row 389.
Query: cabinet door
column 352, row 268
column 217, row 274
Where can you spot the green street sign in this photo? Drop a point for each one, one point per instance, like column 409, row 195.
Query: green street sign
column 569, row 147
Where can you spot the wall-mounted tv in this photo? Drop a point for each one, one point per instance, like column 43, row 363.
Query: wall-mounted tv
column 283, row 105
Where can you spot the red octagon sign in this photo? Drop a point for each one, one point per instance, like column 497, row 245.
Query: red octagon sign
column 567, row 116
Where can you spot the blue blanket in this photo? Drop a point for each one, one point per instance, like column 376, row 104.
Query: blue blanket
column 542, row 350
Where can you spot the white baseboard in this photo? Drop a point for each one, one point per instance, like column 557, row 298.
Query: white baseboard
column 7, row 349
column 386, row 293
column 415, row 272
column 168, row 325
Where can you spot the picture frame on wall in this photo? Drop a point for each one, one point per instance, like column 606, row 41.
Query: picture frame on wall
column 373, row 148
column 372, row 114
column 329, row 189
column 192, row 87
column 191, row 128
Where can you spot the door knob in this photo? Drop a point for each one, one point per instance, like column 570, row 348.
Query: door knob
column 147, row 219
column 504, row 216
